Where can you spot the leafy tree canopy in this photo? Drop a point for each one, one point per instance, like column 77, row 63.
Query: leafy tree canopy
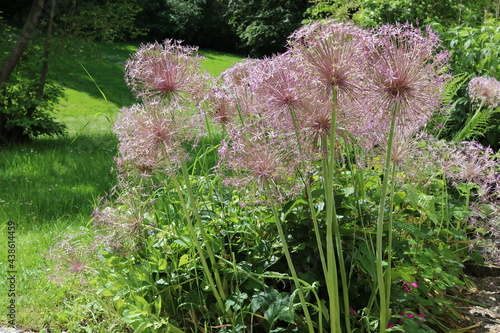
column 264, row 25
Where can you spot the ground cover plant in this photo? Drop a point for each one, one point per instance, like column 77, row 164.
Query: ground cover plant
column 297, row 193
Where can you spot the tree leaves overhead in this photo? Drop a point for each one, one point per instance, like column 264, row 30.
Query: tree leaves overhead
column 264, row 25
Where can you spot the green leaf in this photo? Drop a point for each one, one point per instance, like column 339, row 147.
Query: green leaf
column 263, row 299
column 280, row 309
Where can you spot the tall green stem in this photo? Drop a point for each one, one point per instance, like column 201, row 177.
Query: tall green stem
column 334, row 248
column 204, row 235
column 384, row 297
column 388, row 276
column 309, row 196
column 291, row 266
column 198, row 245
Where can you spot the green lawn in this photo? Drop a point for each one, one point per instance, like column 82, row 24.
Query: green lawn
column 50, row 186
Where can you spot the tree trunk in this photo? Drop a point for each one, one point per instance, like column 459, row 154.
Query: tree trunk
column 45, row 64
column 22, row 43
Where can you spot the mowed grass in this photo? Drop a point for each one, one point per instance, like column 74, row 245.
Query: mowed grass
column 50, row 186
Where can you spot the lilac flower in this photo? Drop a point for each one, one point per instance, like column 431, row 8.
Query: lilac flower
column 485, row 90
column 166, row 70
column 151, row 135
column 408, row 72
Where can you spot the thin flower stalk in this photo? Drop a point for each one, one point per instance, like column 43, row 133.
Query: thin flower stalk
column 385, row 312
column 334, row 248
column 307, row 186
column 216, row 288
column 290, row 263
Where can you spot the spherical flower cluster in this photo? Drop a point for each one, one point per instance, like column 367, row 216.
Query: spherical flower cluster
column 167, row 70
column 485, row 90
column 73, row 257
column 332, row 54
column 120, row 227
column 219, row 105
column 278, row 86
column 407, row 72
column 470, row 162
column 151, row 135
column 260, row 163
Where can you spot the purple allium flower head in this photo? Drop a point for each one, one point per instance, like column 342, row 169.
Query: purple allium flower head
column 257, row 158
column 407, row 71
column 166, row 70
column 120, row 227
column 236, row 75
column 277, row 85
column 151, row 135
column 485, row 90
column 73, row 257
column 236, row 81
column 220, row 105
column 333, row 54
column 470, row 162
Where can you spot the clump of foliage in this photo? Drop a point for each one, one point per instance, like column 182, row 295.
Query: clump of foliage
column 200, row 23
column 475, row 53
column 24, row 112
column 297, row 193
column 262, row 26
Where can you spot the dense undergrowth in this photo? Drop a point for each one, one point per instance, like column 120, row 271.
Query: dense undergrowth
column 307, row 192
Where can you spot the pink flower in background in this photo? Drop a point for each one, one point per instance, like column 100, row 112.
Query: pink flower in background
column 407, row 285
column 485, row 90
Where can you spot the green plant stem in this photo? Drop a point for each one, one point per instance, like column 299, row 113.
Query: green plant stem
column 204, row 235
column 384, row 298
column 388, row 275
column 291, row 266
column 334, row 248
column 198, row 245
column 310, row 197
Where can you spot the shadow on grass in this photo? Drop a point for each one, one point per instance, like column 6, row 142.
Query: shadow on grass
column 55, row 179
column 105, row 65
